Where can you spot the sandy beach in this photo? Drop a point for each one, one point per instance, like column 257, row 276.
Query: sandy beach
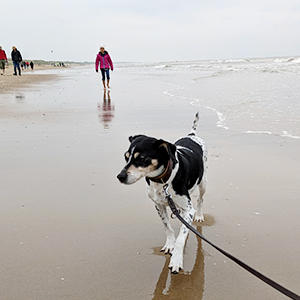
column 70, row 230
column 9, row 82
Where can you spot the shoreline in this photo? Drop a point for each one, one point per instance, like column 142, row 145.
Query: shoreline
column 9, row 82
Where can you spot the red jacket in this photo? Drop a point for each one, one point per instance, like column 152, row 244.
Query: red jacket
column 3, row 55
column 104, row 60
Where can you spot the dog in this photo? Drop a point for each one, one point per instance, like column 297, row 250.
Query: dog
column 183, row 167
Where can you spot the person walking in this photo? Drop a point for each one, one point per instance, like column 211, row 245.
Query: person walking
column 3, row 60
column 16, row 59
column 31, row 65
column 105, row 64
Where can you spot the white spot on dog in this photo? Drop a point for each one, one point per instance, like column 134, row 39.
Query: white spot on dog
column 154, row 162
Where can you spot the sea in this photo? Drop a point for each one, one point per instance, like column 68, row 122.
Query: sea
column 250, row 96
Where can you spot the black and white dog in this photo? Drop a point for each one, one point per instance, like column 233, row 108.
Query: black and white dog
column 183, row 167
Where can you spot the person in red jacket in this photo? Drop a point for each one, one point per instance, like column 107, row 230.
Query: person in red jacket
column 3, row 60
column 105, row 64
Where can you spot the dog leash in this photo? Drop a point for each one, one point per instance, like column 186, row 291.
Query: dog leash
column 254, row 272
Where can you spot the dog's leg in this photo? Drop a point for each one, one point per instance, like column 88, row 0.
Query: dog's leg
column 176, row 262
column 170, row 242
column 199, row 217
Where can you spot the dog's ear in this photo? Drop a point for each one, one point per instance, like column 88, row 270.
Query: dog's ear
column 169, row 147
column 132, row 138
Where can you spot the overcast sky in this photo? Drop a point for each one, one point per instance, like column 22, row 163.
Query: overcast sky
column 152, row 30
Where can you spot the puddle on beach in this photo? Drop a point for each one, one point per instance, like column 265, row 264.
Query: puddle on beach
column 185, row 284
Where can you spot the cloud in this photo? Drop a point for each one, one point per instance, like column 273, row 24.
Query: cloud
column 152, row 30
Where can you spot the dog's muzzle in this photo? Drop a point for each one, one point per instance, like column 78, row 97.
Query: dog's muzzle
column 122, row 176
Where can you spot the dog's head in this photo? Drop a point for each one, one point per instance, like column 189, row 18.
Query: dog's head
column 146, row 157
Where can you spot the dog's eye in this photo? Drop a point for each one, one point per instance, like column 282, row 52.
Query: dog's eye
column 126, row 155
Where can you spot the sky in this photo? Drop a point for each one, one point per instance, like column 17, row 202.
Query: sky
column 152, row 30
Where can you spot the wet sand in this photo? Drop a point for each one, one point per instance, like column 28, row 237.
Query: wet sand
column 69, row 230
column 9, row 82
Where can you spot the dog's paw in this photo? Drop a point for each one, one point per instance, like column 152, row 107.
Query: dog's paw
column 176, row 263
column 169, row 246
column 199, row 218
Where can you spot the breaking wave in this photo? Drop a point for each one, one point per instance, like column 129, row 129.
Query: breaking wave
column 287, row 134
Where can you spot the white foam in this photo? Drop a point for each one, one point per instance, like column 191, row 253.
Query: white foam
column 286, row 134
column 221, row 118
column 162, row 66
column 167, row 93
column 194, row 101
column 208, row 68
column 296, row 60
column 283, row 59
column 259, row 132
column 235, row 60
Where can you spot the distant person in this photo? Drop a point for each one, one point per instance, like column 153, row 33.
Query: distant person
column 16, row 59
column 31, row 65
column 3, row 60
column 105, row 64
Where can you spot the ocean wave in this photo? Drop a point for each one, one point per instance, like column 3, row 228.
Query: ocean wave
column 195, row 101
column 296, row 60
column 284, row 134
column 238, row 60
column 283, row 59
column 287, row 134
column 221, row 118
column 167, row 93
column 213, row 68
column 259, row 132
column 268, row 70
column 162, row 66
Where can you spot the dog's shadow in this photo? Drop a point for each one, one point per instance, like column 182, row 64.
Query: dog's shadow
column 183, row 285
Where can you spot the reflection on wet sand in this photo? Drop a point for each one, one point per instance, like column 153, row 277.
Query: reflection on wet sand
column 183, row 285
column 19, row 98
column 106, row 110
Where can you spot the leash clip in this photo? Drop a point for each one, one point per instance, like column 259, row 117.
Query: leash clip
column 166, row 190
column 172, row 206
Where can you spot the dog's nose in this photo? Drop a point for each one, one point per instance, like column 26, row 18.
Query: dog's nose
column 122, row 176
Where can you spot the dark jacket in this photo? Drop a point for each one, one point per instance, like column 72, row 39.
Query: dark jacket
column 16, row 56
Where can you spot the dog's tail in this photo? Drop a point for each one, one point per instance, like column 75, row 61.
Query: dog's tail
column 195, row 124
